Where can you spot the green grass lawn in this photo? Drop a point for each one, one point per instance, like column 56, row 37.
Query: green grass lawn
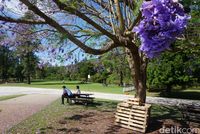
column 2, row 98
column 57, row 118
column 95, row 87
column 190, row 93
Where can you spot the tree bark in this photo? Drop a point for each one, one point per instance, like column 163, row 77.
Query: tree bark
column 121, row 78
column 28, row 69
column 138, row 67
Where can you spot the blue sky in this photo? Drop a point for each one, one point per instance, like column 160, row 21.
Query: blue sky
column 78, row 54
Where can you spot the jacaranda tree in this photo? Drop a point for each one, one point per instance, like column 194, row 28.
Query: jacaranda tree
column 114, row 23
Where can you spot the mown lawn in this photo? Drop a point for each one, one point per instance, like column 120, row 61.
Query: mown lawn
column 6, row 97
column 95, row 87
column 96, row 118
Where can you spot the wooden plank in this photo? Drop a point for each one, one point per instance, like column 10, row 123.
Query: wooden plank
column 132, row 117
column 130, row 120
column 134, row 103
column 132, row 110
column 132, row 114
column 132, row 128
column 132, row 124
column 133, row 107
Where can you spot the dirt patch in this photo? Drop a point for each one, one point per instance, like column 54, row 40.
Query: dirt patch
column 101, row 122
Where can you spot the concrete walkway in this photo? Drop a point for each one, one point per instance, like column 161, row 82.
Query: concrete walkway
column 17, row 109
column 120, row 97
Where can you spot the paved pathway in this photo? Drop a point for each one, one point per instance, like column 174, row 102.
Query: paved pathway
column 17, row 109
column 120, row 97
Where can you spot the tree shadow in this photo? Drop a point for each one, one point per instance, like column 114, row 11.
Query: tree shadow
column 181, row 95
column 75, row 130
column 159, row 114
column 79, row 116
column 113, row 129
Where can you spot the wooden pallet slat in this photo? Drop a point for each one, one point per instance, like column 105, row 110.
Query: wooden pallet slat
column 134, row 121
column 131, row 115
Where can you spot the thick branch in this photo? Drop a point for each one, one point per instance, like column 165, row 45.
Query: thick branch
column 54, row 24
column 11, row 20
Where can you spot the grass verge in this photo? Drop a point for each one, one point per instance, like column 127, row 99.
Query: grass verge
column 7, row 97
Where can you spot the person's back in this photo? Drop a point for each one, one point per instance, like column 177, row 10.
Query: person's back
column 78, row 90
column 66, row 94
column 67, row 91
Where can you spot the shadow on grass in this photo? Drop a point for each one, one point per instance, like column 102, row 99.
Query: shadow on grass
column 79, row 116
column 161, row 113
column 103, row 105
column 182, row 95
column 113, row 129
column 71, row 130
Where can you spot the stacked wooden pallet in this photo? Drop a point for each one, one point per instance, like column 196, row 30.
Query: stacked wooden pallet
column 132, row 115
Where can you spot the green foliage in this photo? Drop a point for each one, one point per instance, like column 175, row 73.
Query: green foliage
column 85, row 68
column 172, row 69
column 7, row 63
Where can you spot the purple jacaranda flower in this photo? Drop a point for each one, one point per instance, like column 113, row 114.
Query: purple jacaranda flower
column 163, row 21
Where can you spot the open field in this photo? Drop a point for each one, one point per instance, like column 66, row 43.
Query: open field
column 190, row 93
column 99, row 117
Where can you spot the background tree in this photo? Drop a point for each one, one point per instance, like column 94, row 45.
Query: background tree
column 7, row 62
column 85, row 68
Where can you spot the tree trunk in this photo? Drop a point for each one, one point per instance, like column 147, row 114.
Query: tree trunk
column 29, row 66
column 138, row 65
column 121, row 78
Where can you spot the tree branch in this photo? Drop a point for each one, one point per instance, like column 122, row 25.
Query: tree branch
column 135, row 22
column 62, row 30
column 11, row 20
column 85, row 18
column 119, row 15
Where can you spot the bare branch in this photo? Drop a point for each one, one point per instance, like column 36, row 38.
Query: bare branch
column 11, row 20
column 85, row 18
column 62, row 30
column 120, row 16
column 135, row 22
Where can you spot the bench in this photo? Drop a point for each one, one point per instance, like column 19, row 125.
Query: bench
column 191, row 114
column 81, row 99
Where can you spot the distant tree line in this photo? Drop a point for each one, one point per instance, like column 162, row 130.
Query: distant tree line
column 16, row 66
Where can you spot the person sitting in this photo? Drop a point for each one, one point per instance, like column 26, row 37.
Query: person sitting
column 66, row 94
column 78, row 90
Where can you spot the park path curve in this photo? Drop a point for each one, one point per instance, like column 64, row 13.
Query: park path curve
column 17, row 109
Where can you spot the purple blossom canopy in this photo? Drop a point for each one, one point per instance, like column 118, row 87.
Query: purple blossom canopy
column 163, row 21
